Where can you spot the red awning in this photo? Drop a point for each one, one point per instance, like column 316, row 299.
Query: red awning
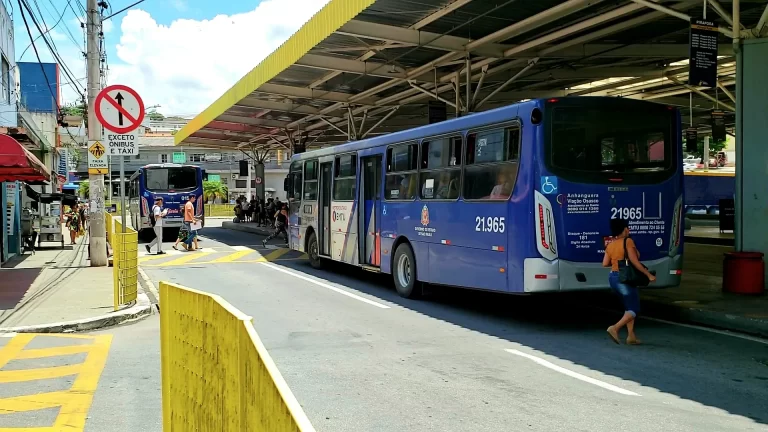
column 18, row 163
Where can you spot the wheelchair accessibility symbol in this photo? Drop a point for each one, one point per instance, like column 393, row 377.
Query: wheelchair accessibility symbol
column 549, row 185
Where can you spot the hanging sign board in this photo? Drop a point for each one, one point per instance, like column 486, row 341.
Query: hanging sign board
column 703, row 54
column 97, row 158
column 718, row 125
column 120, row 110
column 691, row 140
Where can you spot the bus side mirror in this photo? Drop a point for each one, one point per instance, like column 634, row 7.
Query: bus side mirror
column 287, row 184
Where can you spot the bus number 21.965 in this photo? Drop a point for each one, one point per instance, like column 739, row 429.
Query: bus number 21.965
column 490, row 224
column 626, row 213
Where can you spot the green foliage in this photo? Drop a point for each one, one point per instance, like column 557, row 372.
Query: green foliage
column 213, row 190
column 714, row 147
column 84, row 188
column 154, row 115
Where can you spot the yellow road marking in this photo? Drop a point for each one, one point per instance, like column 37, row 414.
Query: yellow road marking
column 273, row 255
column 146, row 258
column 75, row 402
column 188, row 256
column 52, row 352
column 233, row 257
column 14, row 347
column 22, row 375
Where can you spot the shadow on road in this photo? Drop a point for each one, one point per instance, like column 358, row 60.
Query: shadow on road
column 714, row 370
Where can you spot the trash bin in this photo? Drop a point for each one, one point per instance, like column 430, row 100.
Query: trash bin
column 744, row 273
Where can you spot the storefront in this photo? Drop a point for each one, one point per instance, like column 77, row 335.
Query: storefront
column 18, row 166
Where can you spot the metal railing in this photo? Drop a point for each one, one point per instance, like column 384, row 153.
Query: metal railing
column 217, row 375
column 125, row 261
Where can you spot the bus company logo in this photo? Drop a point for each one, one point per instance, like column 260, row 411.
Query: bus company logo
column 338, row 216
column 425, row 216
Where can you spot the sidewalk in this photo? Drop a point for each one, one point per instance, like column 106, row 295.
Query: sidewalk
column 56, row 290
column 700, row 299
column 247, row 227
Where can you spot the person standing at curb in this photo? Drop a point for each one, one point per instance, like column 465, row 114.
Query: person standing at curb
column 158, row 213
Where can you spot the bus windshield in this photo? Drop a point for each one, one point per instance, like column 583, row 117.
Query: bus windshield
column 170, row 179
column 611, row 140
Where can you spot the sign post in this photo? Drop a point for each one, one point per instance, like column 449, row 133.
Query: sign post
column 120, row 110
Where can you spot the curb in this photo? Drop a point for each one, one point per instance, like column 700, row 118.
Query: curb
column 140, row 310
column 716, row 241
column 706, row 318
column 244, row 227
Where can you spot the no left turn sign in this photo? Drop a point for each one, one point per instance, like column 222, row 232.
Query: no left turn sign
column 120, row 110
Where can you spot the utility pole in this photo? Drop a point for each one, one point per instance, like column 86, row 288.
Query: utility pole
column 98, row 234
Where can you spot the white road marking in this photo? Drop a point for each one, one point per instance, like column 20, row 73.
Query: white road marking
column 325, row 285
column 8, row 335
column 154, row 252
column 241, row 248
column 572, row 374
column 711, row 330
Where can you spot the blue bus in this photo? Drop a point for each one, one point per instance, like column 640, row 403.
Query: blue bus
column 174, row 183
column 517, row 199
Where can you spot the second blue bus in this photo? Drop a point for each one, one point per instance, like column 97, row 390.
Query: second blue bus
column 174, row 183
column 517, row 199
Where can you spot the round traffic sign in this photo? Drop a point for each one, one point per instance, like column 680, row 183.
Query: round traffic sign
column 258, row 180
column 119, row 108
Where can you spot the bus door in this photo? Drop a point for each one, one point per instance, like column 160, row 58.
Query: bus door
column 325, row 208
column 370, row 248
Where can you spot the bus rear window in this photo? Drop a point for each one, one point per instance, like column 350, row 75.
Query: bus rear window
column 611, row 141
column 170, row 179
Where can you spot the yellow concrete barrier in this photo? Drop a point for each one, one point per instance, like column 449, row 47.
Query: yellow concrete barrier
column 108, row 226
column 217, row 375
column 125, row 259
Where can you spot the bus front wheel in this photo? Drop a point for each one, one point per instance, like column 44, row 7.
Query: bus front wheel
column 404, row 272
column 313, row 251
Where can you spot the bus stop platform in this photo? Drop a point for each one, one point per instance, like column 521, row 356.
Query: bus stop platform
column 700, row 299
column 710, row 235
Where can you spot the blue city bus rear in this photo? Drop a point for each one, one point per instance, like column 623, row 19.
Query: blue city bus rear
column 174, row 183
column 517, row 199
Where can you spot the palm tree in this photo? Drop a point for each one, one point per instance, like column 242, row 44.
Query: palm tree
column 84, row 188
column 213, row 190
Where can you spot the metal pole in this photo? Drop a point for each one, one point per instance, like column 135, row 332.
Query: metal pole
column 248, row 182
column 468, row 97
column 739, row 198
column 705, row 10
column 98, row 234
column 122, row 193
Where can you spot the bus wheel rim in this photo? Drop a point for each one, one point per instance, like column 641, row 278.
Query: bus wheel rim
column 404, row 270
column 313, row 250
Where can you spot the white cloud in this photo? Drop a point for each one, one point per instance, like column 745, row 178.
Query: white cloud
column 189, row 64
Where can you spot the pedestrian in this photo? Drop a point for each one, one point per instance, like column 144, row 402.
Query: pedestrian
column 622, row 256
column 281, row 224
column 73, row 224
column 156, row 219
column 189, row 220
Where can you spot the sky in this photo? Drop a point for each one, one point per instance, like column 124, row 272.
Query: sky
column 179, row 54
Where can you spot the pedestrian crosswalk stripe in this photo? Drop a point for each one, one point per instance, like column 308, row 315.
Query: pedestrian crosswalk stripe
column 273, row 255
column 197, row 258
column 233, row 257
column 187, row 258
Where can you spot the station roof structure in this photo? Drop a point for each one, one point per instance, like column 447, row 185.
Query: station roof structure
column 361, row 68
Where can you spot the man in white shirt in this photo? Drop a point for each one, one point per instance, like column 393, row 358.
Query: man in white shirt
column 159, row 213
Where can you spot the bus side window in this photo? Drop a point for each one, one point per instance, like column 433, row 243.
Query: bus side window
column 344, row 178
column 402, row 172
column 492, row 159
column 440, row 168
column 310, row 181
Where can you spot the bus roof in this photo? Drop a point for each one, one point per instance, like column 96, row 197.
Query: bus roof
column 471, row 121
column 161, row 165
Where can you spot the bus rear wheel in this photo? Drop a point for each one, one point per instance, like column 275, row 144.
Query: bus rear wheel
column 404, row 272
column 313, row 251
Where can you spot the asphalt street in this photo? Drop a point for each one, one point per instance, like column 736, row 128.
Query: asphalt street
column 360, row 358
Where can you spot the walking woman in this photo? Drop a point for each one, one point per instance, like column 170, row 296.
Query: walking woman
column 281, row 224
column 73, row 224
column 619, row 254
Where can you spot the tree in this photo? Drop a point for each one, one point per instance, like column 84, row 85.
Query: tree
column 154, row 115
column 84, row 188
column 213, row 190
column 714, row 147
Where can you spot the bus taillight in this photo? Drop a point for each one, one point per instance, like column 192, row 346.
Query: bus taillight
column 542, row 230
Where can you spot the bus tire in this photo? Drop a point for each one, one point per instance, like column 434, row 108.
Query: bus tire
column 313, row 252
column 404, row 272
